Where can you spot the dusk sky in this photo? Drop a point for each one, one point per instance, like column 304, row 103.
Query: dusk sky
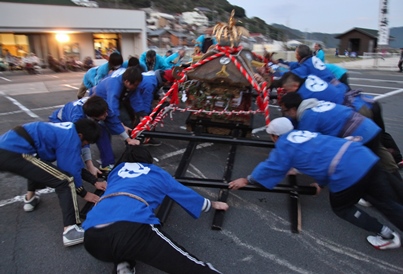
column 322, row 15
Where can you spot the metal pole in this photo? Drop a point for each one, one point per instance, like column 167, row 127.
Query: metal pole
column 295, row 206
column 223, row 196
column 208, row 138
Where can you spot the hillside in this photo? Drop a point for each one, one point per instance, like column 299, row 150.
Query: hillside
column 328, row 39
column 219, row 11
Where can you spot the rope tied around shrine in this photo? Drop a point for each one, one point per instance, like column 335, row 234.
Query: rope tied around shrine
column 262, row 100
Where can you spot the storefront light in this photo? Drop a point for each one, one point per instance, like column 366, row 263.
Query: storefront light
column 62, row 37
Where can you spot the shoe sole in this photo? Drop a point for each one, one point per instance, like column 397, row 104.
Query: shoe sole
column 29, row 209
column 73, row 242
column 386, row 245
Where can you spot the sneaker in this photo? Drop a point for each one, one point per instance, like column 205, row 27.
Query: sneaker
column 151, row 142
column 73, row 235
column 31, row 204
column 106, row 169
column 362, row 202
column 380, row 243
column 124, row 268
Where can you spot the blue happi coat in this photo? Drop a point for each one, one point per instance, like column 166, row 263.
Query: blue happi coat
column 110, row 89
column 312, row 154
column 53, row 142
column 335, row 120
column 73, row 111
column 314, row 66
column 149, row 182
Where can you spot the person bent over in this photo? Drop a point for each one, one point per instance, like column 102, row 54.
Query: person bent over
column 28, row 151
column 349, row 169
column 122, row 227
column 97, row 109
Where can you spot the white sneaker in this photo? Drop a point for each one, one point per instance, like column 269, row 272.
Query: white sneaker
column 362, row 202
column 73, row 235
column 124, row 268
column 29, row 205
column 380, row 243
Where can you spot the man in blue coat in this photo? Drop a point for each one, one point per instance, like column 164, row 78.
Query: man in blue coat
column 94, row 75
column 349, row 169
column 337, row 120
column 28, row 151
column 206, row 40
column 150, row 60
column 314, row 87
column 96, row 108
column 121, row 84
column 123, row 227
column 308, row 64
column 175, row 59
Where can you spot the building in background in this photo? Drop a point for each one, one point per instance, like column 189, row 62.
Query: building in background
column 359, row 40
column 195, row 18
column 158, row 20
column 70, row 31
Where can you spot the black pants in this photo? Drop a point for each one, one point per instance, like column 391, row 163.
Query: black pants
column 376, row 187
column 344, row 79
column 127, row 242
column 41, row 174
column 386, row 139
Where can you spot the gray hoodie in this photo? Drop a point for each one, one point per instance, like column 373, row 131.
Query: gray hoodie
column 306, row 104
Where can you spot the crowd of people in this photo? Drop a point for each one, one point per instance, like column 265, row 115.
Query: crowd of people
column 29, row 62
column 337, row 136
column 69, row 63
column 114, row 97
column 330, row 132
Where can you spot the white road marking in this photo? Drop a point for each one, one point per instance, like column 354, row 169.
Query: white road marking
column 5, row 79
column 314, row 242
column 181, row 151
column 388, row 94
column 163, row 157
column 70, row 86
column 274, row 258
column 35, row 109
column 21, row 197
column 376, row 80
column 53, row 76
column 22, row 107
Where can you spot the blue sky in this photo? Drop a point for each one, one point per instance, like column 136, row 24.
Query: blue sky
column 326, row 16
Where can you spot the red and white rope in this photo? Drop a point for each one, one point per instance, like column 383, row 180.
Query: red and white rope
column 147, row 123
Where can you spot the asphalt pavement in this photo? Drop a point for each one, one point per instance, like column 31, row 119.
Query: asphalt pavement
column 255, row 235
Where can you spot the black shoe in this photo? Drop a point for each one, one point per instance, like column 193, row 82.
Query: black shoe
column 151, row 142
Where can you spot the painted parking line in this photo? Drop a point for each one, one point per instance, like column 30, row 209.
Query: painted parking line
column 35, row 109
column 377, row 80
column 69, row 86
column 21, row 106
column 5, row 79
column 388, row 94
column 369, row 86
column 20, row 198
column 320, row 245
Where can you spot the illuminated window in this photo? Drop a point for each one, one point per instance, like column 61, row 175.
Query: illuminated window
column 17, row 45
column 105, row 44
